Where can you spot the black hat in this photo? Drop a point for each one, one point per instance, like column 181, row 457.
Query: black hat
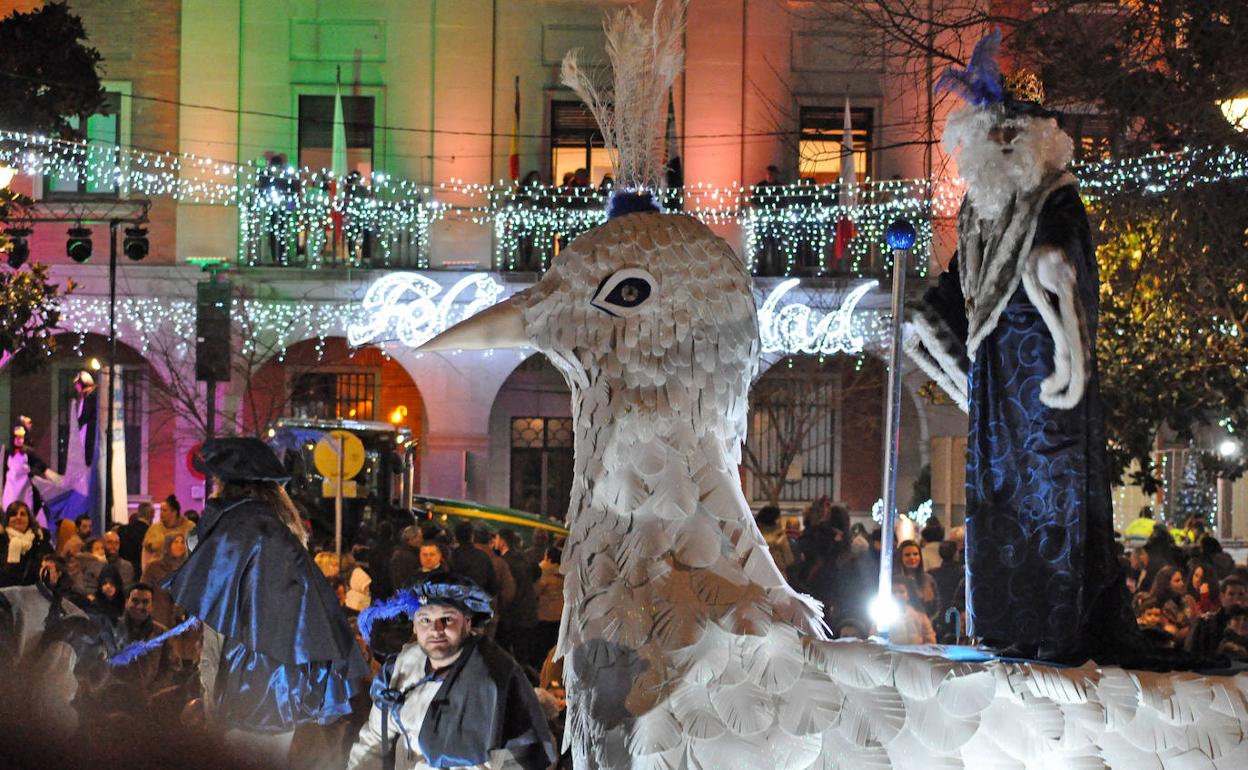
column 242, row 459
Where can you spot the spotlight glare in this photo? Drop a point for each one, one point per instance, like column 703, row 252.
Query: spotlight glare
column 884, row 611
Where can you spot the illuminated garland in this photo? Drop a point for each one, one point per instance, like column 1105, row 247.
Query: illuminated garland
column 311, row 218
column 919, row 515
column 408, row 308
column 146, row 322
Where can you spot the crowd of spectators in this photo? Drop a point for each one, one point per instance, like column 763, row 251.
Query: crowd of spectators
column 113, row 582
column 1188, row 593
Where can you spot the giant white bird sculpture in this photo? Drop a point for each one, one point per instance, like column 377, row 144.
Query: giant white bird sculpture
column 683, row 645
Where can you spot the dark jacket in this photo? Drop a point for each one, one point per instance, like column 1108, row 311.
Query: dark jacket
column 404, row 564
column 289, row 655
column 26, row 571
column 470, row 562
column 131, row 550
column 522, row 611
column 485, row 703
column 1206, row 633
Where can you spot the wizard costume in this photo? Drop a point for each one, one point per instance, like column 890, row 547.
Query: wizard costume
column 287, row 653
column 1019, row 357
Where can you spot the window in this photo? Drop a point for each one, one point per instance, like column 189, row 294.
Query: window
column 334, row 395
column 104, row 136
column 133, row 384
column 1092, row 135
column 316, row 132
column 819, row 148
column 541, row 465
column 793, row 419
column 575, row 142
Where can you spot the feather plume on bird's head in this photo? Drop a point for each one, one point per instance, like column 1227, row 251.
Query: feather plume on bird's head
column 1004, row 138
column 653, row 306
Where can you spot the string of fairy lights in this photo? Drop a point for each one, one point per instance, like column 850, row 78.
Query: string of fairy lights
column 167, row 326
column 312, row 218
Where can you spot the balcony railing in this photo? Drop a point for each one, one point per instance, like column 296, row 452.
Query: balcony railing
column 800, row 230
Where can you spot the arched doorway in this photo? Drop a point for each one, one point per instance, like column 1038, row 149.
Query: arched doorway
column 320, row 385
column 329, row 380
column 816, row 430
column 531, row 440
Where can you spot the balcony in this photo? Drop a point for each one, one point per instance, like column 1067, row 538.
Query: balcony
column 799, row 230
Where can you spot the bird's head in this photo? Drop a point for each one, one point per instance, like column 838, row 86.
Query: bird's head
column 655, row 307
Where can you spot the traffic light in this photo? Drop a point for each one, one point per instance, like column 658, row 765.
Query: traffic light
column 135, row 245
column 19, row 249
column 78, row 247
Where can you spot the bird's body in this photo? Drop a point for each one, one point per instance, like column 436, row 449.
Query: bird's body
column 684, row 647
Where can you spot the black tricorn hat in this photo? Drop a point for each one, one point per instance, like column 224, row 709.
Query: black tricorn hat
column 242, row 459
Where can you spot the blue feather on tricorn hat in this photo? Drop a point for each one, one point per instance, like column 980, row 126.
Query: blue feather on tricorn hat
column 982, row 85
column 452, row 590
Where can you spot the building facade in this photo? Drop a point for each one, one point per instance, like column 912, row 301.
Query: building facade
column 434, row 95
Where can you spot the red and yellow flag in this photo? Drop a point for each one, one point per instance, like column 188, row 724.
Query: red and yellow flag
column 513, row 162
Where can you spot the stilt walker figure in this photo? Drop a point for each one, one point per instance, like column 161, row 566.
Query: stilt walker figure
column 1010, row 332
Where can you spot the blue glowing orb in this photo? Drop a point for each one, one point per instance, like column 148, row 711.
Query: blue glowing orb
column 900, row 234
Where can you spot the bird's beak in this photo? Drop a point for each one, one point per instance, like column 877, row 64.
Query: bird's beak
column 499, row 326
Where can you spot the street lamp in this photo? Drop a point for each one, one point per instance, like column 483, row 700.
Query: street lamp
column 1236, row 112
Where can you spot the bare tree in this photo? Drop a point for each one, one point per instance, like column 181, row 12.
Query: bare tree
column 793, row 408
column 259, row 353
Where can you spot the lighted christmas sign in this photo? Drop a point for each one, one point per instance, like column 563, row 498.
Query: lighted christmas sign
column 797, row 328
column 416, row 307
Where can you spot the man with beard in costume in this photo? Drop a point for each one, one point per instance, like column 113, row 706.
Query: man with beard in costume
column 452, row 698
column 1010, row 333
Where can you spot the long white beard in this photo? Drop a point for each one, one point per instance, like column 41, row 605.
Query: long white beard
column 994, row 175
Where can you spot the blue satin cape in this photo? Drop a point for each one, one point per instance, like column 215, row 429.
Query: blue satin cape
column 290, row 655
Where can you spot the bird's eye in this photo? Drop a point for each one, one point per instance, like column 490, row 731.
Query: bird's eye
column 624, row 292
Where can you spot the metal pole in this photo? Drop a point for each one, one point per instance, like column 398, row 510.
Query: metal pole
column 901, row 237
column 342, row 451
column 107, row 434
column 211, row 416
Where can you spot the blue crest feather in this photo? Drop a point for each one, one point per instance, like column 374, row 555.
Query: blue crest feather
column 137, row 650
column 980, row 83
column 405, row 602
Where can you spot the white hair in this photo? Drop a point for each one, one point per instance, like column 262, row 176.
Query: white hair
column 993, row 176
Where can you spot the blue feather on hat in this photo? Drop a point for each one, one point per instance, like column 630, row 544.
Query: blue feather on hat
column 980, row 83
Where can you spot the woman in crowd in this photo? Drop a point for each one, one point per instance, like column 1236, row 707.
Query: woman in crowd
column 549, row 599
column 1202, row 587
column 1169, row 599
column 171, row 558
column 109, row 598
column 912, row 627
column 23, row 543
column 768, row 520
column 910, row 565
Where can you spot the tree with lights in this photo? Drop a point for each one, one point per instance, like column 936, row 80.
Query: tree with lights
column 1131, row 78
column 49, row 77
column 29, row 299
column 1195, row 499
